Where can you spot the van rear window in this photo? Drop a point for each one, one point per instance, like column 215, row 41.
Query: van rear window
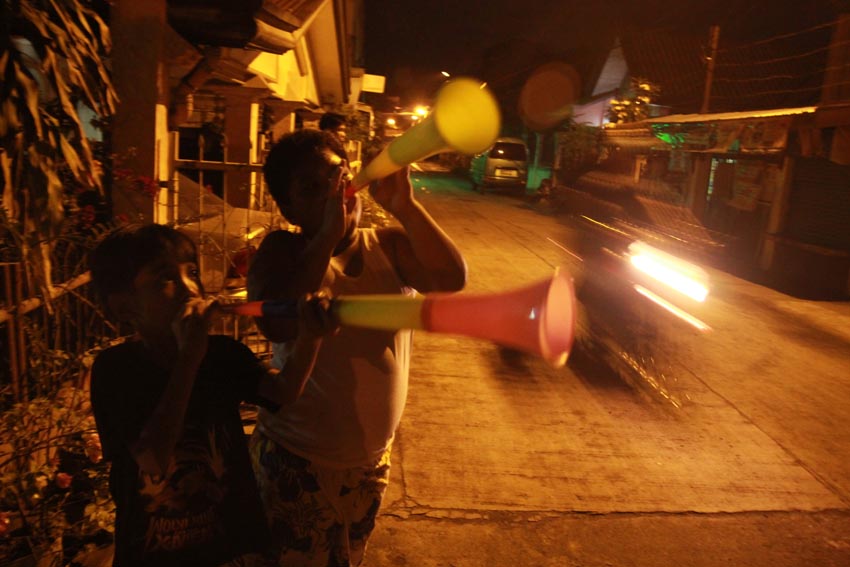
column 503, row 150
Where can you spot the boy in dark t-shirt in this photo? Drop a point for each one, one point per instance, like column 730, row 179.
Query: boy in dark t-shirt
column 166, row 403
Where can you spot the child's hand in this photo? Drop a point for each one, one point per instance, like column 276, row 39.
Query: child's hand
column 393, row 192
column 191, row 327
column 316, row 317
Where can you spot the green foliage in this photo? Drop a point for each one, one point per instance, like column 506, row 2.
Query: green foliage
column 53, row 484
column 356, row 124
column 52, row 60
column 579, row 150
column 53, row 480
column 360, row 128
column 54, row 499
column 633, row 104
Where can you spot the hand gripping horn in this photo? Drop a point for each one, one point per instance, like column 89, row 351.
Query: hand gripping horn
column 465, row 118
column 538, row 318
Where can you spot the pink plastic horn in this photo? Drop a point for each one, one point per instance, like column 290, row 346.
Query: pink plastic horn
column 538, row 318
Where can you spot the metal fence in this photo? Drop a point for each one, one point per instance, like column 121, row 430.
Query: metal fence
column 48, row 341
column 226, row 234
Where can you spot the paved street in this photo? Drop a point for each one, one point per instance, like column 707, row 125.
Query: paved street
column 501, row 460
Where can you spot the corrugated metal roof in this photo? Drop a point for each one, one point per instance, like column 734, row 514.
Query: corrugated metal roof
column 773, row 112
column 267, row 25
column 753, row 131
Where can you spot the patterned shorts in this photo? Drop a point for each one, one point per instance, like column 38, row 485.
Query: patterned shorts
column 318, row 516
column 250, row 560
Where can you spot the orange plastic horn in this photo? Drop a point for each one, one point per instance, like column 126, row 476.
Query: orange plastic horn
column 538, row 318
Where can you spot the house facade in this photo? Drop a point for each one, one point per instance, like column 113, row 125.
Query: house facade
column 771, row 183
column 240, row 72
column 762, row 181
column 205, row 88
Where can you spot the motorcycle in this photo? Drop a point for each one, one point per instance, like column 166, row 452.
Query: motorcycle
column 640, row 301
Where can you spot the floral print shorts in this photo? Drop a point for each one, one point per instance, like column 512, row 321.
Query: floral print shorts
column 318, row 516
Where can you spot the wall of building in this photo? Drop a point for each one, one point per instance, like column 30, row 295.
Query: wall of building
column 811, row 256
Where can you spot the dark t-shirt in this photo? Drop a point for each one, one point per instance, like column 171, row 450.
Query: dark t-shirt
column 205, row 510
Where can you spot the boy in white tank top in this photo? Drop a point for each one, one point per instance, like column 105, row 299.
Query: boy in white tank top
column 322, row 463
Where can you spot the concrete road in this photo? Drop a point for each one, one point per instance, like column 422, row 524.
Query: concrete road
column 502, row 460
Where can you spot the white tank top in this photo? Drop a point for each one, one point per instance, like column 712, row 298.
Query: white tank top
column 352, row 403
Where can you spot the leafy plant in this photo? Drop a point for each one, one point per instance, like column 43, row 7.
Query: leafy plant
column 54, row 498
column 52, row 61
column 579, row 150
column 359, row 127
column 633, row 104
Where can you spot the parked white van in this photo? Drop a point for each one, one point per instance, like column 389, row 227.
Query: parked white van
column 505, row 164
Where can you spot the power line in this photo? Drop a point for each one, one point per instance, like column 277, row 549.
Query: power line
column 777, row 37
column 782, row 91
column 783, row 59
column 762, row 79
column 783, row 76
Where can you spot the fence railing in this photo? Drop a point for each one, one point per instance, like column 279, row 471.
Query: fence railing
column 65, row 326
column 46, row 339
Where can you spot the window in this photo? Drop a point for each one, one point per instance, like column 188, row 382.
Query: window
column 503, row 150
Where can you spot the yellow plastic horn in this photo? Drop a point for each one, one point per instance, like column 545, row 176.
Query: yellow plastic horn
column 465, row 118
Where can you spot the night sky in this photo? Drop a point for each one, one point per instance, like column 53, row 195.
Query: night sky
column 411, row 42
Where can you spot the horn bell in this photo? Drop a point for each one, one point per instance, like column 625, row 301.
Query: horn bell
column 538, row 318
column 465, row 118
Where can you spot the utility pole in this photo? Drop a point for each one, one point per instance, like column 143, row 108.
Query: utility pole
column 709, row 73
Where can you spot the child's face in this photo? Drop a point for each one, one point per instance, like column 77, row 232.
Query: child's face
column 311, row 189
column 160, row 290
column 341, row 132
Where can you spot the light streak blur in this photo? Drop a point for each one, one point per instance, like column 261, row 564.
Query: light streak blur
column 684, row 277
column 565, row 249
column 680, row 313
